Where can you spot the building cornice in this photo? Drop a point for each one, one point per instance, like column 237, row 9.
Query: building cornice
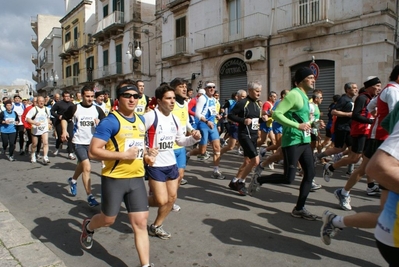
column 70, row 13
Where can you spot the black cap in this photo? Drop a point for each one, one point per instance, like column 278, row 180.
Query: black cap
column 127, row 88
column 302, row 73
column 371, row 81
column 97, row 94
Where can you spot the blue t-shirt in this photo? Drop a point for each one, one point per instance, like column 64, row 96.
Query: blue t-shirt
column 109, row 126
column 12, row 118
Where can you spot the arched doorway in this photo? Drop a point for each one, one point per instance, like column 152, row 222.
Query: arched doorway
column 233, row 77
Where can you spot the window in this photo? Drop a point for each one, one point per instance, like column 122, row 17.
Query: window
column 118, row 5
column 76, row 69
column 118, row 55
column 67, row 37
column 309, row 11
column 105, row 11
column 68, row 72
column 181, row 35
column 90, row 68
column 75, row 33
column 234, row 7
column 105, row 58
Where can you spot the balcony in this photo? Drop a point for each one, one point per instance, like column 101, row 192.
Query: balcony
column 176, row 48
column 87, row 76
column 34, row 42
column 177, row 5
column 109, row 26
column 70, row 48
column 33, row 23
column 244, row 30
column 46, row 61
column 35, row 77
column 113, row 70
column 34, row 58
column 41, row 85
column 303, row 16
column 71, row 81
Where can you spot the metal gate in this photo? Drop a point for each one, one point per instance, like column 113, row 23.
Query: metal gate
column 230, row 85
column 233, row 77
column 325, row 82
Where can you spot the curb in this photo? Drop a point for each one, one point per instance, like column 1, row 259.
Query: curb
column 18, row 247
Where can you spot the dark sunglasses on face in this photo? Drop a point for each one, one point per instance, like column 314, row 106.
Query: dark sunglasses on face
column 128, row 95
column 210, row 87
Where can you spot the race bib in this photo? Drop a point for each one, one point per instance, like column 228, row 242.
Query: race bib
column 212, row 110
column 255, row 124
column 165, row 142
column 307, row 133
column 10, row 121
column 139, row 109
column 139, row 143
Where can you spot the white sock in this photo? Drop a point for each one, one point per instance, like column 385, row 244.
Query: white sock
column 344, row 192
column 216, row 168
column 241, row 181
column 74, row 181
column 235, row 179
column 338, row 221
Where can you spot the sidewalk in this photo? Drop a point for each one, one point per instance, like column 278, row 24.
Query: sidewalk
column 19, row 248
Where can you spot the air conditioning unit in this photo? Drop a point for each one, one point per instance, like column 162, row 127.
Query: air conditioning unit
column 254, row 54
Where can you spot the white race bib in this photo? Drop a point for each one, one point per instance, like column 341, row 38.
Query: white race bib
column 255, row 124
column 139, row 143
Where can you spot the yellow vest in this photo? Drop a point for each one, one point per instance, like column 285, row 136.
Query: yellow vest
column 181, row 112
column 217, row 104
column 129, row 134
column 108, row 106
column 141, row 105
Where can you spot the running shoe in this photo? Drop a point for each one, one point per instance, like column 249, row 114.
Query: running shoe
column 46, row 160
column 233, row 185
column 73, row 187
column 326, row 172
column 33, row 158
column 218, row 175
column 259, row 169
column 337, row 157
column 159, row 232
column 203, row 157
column 11, row 158
column 240, row 151
column 344, row 201
column 303, row 213
column 372, row 191
column 254, row 185
column 71, row 156
column 271, row 166
column 242, row 190
column 38, row 156
column 176, row 207
column 92, row 201
column 328, row 230
column 56, row 152
column 183, row 181
column 86, row 238
column 314, row 186
column 262, row 153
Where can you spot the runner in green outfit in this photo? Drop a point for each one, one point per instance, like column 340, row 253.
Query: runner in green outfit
column 294, row 114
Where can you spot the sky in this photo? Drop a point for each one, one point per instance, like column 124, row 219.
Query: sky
column 16, row 66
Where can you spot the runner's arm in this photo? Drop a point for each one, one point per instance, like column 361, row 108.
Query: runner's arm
column 292, row 100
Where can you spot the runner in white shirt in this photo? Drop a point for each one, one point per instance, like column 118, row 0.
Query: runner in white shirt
column 163, row 129
column 39, row 117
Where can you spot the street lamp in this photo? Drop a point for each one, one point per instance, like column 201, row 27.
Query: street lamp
column 54, row 79
column 137, row 51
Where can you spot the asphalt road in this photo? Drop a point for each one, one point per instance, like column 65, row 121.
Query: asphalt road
column 216, row 226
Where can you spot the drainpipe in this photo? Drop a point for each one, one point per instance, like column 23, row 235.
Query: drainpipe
column 268, row 65
column 395, row 55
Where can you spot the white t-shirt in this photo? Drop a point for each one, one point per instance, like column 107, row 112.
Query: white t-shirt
column 42, row 116
column 84, row 124
column 162, row 132
column 19, row 109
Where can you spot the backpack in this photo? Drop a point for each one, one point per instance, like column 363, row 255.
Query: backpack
column 37, row 111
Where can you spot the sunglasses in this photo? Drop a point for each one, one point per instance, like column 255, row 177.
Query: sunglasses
column 210, row 87
column 128, row 95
